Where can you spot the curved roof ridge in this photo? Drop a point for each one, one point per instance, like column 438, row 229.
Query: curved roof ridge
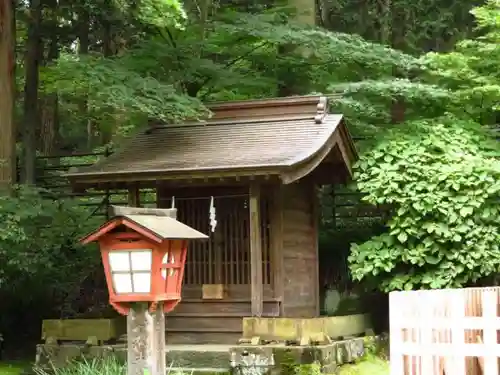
column 336, row 119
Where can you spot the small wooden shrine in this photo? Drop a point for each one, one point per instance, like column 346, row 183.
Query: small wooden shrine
column 248, row 177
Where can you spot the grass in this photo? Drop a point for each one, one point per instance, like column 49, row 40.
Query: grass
column 13, row 367
column 369, row 365
column 108, row 366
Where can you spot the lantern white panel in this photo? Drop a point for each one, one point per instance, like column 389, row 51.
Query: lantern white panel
column 122, row 283
column 167, row 258
column 142, row 282
column 141, row 260
column 119, row 261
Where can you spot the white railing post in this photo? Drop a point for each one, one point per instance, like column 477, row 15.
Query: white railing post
column 490, row 303
column 396, row 334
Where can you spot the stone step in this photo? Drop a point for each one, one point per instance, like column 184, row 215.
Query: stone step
column 206, row 356
column 197, row 370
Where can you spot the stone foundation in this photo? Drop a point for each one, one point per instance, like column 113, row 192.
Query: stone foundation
column 240, row 359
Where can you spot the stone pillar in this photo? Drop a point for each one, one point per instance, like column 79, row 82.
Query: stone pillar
column 146, row 340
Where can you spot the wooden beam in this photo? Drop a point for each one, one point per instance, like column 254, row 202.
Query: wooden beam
column 256, row 251
column 134, row 196
column 176, row 183
column 132, row 177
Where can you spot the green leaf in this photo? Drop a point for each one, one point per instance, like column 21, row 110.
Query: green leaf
column 466, row 211
column 432, row 259
column 402, row 237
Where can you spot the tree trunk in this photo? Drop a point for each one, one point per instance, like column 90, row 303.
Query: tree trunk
column 106, row 132
column 31, row 115
column 83, row 49
column 292, row 84
column 398, row 41
column 49, row 130
column 7, row 64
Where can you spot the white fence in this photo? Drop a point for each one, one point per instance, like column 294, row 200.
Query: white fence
column 445, row 332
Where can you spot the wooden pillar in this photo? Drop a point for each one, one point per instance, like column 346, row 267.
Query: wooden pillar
column 256, row 251
column 277, row 243
column 134, row 196
column 315, row 225
column 218, row 238
column 146, row 340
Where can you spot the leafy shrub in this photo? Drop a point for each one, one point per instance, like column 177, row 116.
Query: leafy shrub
column 369, row 365
column 38, row 239
column 443, row 179
column 42, row 266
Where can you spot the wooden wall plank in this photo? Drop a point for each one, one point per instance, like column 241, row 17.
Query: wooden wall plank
column 299, row 252
column 315, row 227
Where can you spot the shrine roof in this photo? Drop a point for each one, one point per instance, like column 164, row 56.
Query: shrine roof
column 272, row 136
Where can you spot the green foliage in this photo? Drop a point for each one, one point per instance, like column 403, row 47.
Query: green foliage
column 160, row 76
column 426, row 25
column 369, row 365
column 308, row 369
column 443, row 180
column 440, row 175
column 470, row 71
column 367, row 103
column 37, row 241
column 159, row 13
column 13, row 367
column 111, row 85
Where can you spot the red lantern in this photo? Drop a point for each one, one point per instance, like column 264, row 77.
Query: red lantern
column 143, row 258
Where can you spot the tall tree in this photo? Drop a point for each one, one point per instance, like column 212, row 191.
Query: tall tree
column 290, row 82
column 49, row 111
column 7, row 134
column 31, row 115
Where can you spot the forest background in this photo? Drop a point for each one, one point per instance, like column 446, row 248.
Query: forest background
column 418, row 82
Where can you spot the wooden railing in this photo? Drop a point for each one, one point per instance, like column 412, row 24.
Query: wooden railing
column 445, row 332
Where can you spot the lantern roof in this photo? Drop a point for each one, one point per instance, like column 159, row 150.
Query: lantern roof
column 156, row 224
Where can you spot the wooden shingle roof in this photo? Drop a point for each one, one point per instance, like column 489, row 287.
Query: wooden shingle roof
column 273, row 136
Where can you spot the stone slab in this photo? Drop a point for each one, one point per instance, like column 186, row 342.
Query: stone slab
column 315, row 329
column 82, row 329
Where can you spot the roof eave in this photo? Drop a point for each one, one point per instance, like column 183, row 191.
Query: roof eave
column 124, row 177
column 340, row 137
